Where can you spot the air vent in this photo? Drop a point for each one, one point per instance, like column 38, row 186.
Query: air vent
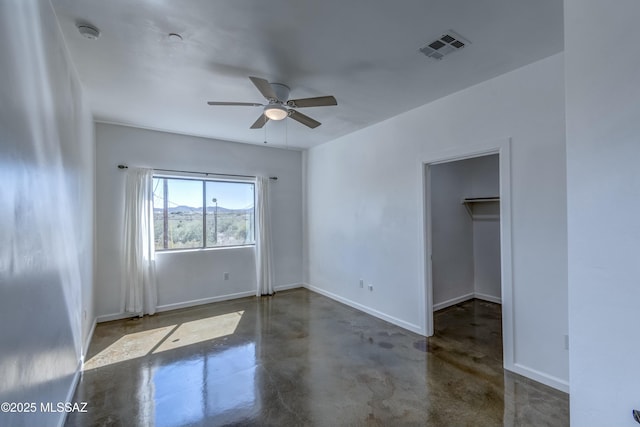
column 447, row 43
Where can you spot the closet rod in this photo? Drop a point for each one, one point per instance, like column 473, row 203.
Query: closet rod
column 275, row 178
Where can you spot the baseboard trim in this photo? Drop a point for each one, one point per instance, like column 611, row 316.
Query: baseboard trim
column 467, row 297
column 380, row 315
column 541, row 377
column 486, row 297
column 193, row 303
column 453, row 301
column 114, row 316
column 176, row 306
column 202, row 301
column 287, row 287
column 88, row 339
column 72, row 390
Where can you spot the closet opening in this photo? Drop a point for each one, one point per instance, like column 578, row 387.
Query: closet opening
column 465, row 231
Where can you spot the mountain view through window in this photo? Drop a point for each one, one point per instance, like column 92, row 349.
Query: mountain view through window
column 194, row 213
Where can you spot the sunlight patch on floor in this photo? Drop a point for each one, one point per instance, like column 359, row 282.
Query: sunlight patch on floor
column 140, row 344
column 201, row 330
column 130, row 346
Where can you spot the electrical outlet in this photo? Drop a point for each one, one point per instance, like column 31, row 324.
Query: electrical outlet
column 370, row 286
column 361, row 283
column 226, row 276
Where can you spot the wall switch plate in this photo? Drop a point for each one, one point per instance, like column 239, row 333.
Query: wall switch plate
column 566, row 342
column 370, row 286
column 226, row 276
column 361, row 283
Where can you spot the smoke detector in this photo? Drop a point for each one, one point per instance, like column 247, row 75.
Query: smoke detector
column 447, row 43
column 88, row 31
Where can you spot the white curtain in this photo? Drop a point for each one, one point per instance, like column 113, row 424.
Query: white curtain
column 263, row 238
column 139, row 293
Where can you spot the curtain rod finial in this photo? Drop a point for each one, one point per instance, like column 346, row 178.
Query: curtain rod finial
column 123, row 167
column 275, row 178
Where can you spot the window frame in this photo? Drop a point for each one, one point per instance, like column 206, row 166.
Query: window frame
column 203, row 180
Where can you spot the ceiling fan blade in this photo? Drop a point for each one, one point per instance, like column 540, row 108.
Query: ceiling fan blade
column 320, row 101
column 304, row 119
column 239, row 104
column 264, row 87
column 258, row 124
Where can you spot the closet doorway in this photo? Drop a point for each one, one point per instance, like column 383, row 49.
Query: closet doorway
column 465, row 230
column 467, row 245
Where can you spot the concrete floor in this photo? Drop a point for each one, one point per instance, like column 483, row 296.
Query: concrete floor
column 301, row 359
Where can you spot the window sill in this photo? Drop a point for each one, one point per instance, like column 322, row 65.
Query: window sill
column 184, row 250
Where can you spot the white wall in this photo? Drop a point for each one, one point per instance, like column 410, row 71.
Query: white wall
column 365, row 207
column 603, row 184
column 452, row 234
column 194, row 276
column 485, row 182
column 46, row 213
column 486, row 259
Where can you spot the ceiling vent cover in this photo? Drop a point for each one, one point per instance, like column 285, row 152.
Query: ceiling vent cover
column 447, row 43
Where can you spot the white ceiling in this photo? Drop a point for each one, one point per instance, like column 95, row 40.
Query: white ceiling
column 364, row 52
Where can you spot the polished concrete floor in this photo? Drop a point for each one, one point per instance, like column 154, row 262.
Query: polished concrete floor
column 300, row 359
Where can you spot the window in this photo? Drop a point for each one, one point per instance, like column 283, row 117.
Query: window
column 201, row 213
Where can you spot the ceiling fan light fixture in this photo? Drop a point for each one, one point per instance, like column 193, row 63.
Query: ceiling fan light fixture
column 275, row 112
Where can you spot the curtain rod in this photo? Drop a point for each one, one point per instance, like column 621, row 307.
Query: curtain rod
column 275, row 178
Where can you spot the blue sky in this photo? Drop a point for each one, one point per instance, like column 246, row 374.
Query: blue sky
column 184, row 192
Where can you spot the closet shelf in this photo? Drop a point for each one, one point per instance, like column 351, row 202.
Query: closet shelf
column 470, row 201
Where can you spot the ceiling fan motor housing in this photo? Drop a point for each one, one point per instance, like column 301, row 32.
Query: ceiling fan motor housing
column 281, row 91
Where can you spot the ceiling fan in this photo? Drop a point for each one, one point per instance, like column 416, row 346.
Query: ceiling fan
column 279, row 106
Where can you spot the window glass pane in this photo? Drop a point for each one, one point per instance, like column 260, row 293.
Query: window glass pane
column 185, row 214
column 178, row 213
column 230, row 217
column 158, row 212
